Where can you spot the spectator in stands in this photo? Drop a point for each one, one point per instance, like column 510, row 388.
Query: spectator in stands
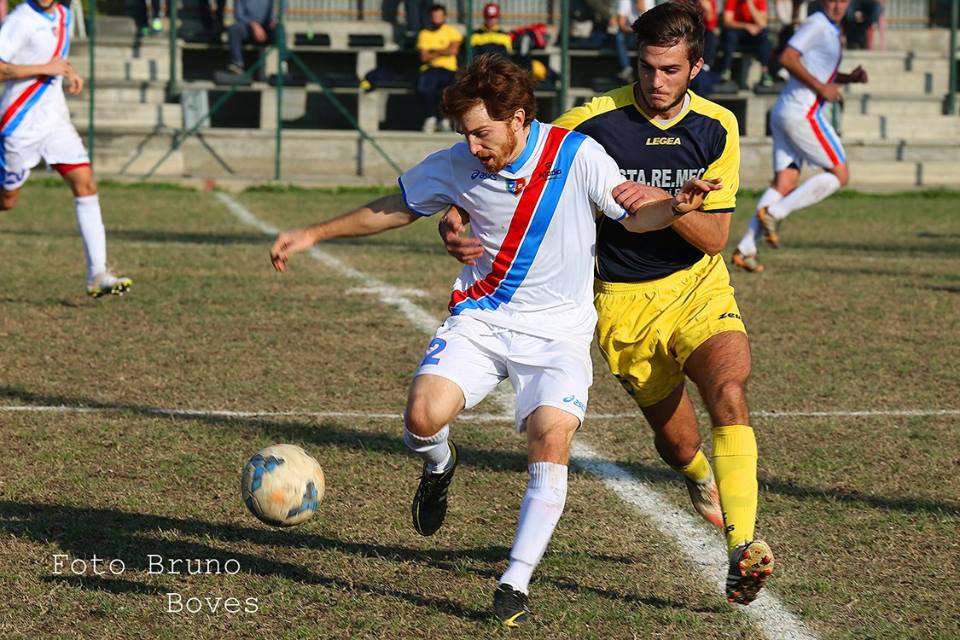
column 623, row 37
column 745, row 29
column 859, row 21
column 708, row 77
column 438, row 46
column 212, row 23
column 253, row 22
column 490, row 38
column 415, row 18
column 147, row 26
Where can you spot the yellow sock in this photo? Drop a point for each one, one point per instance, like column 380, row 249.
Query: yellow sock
column 698, row 469
column 735, row 465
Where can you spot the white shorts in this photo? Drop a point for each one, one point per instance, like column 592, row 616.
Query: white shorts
column 59, row 144
column 799, row 138
column 476, row 356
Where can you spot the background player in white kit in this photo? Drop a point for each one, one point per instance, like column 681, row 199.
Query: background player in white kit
column 525, row 310
column 800, row 131
column 35, row 124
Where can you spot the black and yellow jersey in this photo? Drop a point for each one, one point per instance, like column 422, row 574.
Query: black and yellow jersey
column 491, row 41
column 702, row 141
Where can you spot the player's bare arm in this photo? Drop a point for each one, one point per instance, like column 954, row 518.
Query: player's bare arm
column 646, row 214
column 858, row 75
column 56, row 67
column 706, row 231
column 385, row 213
column 791, row 60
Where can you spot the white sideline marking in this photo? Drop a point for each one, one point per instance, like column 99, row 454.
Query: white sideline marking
column 773, row 618
column 703, row 547
column 387, row 294
column 467, row 417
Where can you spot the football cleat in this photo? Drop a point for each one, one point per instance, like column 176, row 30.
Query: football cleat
column 511, row 607
column 751, row 563
column 706, row 499
column 429, row 506
column 745, row 262
column 105, row 283
column 770, row 227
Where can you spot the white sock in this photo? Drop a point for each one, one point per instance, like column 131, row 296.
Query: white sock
column 540, row 511
column 434, row 450
column 93, row 234
column 810, row 192
column 748, row 244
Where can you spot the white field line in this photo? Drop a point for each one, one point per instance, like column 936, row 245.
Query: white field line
column 467, row 417
column 771, row 616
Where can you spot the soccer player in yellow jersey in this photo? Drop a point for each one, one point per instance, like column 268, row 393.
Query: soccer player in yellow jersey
column 665, row 304
column 438, row 46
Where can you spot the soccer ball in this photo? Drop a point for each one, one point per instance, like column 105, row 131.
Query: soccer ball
column 282, row 485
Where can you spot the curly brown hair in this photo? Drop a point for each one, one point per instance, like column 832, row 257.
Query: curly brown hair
column 498, row 83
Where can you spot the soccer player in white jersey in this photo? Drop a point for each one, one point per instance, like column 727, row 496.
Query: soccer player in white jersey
column 524, row 311
column 801, row 133
column 35, row 124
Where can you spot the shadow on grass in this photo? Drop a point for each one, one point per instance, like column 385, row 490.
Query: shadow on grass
column 326, row 433
column 332, row 434
column 131, row 537
column 85, row 532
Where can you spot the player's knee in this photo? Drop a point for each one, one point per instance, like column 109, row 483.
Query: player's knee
column 729, row 398
column 83, row 188
column 9, row 201
column 420, row 420
column 842, row 173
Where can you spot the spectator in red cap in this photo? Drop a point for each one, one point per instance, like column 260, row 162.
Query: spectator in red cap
column 489, row 38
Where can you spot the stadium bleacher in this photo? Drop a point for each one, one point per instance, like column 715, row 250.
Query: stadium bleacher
column 894, row 128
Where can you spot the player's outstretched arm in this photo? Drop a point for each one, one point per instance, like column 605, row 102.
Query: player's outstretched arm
column 56, row 67
column 858, row 75
column 463, row 248
column 385, row 213
column 646, row 213
column 791, row 60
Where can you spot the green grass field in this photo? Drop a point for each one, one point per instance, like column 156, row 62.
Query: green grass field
column 859, row 312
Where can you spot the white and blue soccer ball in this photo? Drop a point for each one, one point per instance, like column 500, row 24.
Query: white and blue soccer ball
column 282, row 485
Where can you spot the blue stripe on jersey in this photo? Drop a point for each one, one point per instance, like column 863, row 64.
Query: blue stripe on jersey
column 828, row 133
column 13, row 124
column 532, row 140
column 66, row 34
column 535, row 232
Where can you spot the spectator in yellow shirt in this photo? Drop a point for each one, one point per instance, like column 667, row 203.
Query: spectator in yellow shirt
column 489, row 38
column 438, row 46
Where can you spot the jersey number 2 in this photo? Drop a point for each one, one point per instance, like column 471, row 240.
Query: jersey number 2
column 436, row 346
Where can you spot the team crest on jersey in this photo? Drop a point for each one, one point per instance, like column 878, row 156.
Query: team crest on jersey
column 516, row 186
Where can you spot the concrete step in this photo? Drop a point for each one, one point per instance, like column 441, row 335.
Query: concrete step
column 132, row 92
column 904, row 174
column 872, row 126
column 895, row 106
column 117, row 68
column 918, row 39
column 148, row 116
column 911, row 83
column 860, row 150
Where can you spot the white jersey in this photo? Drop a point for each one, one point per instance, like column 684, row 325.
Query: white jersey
column 535, row 220
column 818, row 41
column 32, row 36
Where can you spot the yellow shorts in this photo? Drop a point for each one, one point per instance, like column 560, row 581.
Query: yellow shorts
column 647, row 330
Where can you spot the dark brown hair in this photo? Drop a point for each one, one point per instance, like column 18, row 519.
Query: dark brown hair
column 670, row 23
column 498, row 83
